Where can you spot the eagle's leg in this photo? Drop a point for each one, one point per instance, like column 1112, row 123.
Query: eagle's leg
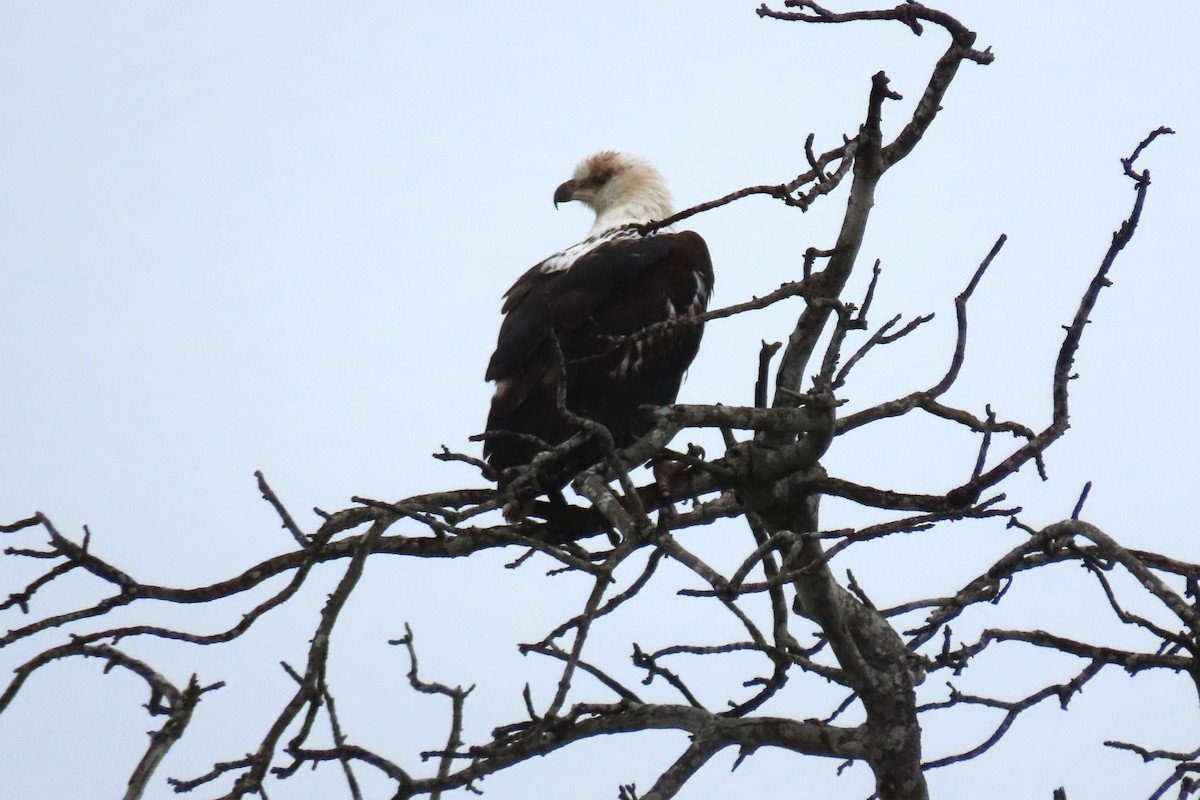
column 673, row 479
column 667, row 482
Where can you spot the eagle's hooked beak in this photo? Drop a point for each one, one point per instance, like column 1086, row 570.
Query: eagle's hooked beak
column 564, row 193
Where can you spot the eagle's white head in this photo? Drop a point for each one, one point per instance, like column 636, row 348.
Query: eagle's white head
column 620, row 188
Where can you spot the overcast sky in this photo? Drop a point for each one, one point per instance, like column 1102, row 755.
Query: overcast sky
column 240, row 236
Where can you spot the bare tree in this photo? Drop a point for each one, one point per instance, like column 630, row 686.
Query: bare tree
column 800, row 621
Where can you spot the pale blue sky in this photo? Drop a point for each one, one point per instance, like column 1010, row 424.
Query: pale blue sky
column 273, row 236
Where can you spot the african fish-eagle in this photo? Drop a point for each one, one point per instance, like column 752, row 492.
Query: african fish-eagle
column 580, row 312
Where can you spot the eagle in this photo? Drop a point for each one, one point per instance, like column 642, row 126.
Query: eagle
column 579, row 328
